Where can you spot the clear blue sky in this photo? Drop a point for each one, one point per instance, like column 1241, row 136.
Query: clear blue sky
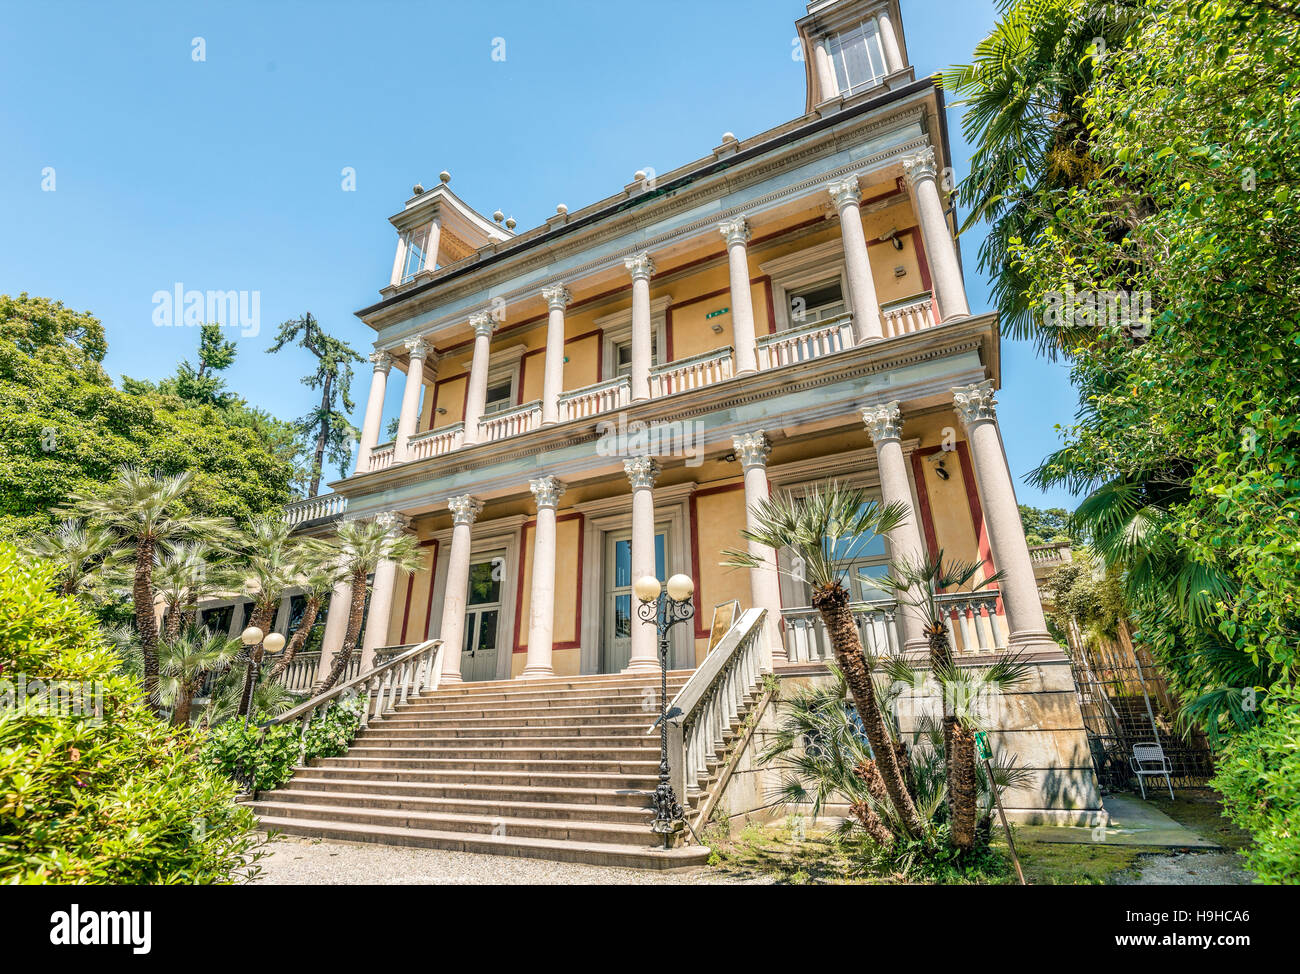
column 226, row 173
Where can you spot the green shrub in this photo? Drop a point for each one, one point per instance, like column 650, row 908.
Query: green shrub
column 1259, row 778
column 268, row 755
column 105, row 792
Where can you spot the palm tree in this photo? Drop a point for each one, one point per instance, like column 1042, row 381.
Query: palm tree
column 183, row 576
column 362, row 546
column 825, row 529
column 83, row 551
column 316, row 583
column 185, row 661
column 917, row 586
column 273, row 564
column 142, row 510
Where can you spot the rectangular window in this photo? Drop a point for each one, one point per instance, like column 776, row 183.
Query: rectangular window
column 622, row 351
column 500, row 397
column 417, row 241
column 816, row 302
column 858, row 57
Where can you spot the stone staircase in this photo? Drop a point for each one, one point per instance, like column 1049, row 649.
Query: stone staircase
column 559, row 769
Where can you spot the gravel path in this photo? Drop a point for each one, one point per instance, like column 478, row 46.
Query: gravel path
column 295, row 861
column 1190, row 869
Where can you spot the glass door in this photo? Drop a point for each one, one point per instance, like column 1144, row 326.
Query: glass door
column 620, row 615
column 478, row 658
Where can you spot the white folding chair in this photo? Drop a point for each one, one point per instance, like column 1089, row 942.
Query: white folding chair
column 1149, row 761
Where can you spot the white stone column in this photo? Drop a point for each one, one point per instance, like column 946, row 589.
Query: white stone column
column 399, row 262
column 752, row 450
column 830, row 88
column 862, row 286
column 736, row 233
column 885, row 427
column 641, row 267
column 642, row 472
column 464, row 510
column 541, row 610
column 889, row 43
column 557, row 299
column 336, row 628
column 975, row 407
column 374, row 410
column 409, row 417
column 483, row 324
column 949, row 289
column 379, row 615
column 431, row 245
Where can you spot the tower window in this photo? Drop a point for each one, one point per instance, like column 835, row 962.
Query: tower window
column 417, row 242
column 858, row 57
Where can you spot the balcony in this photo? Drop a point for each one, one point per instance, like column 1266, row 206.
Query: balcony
column 314, row 509
column 804, row 343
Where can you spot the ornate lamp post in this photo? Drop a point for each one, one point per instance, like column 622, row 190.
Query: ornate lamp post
column 664, row 609
column 253, row 638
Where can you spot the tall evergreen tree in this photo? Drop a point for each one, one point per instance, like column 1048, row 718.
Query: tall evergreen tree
column 326, row 427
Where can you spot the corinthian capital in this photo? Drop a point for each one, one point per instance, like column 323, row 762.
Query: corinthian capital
column 844, row 191
column 752, row 449
column 641, row 267
column 382, row 361
column 417, row 348
column 557, row 297
column 546, row 491
column 642, row 471
column 392, row 522
column 884, row 421
column 465, row 509
column 483, row 323
column 920, row 166
column 734, row 231
column 975, row 403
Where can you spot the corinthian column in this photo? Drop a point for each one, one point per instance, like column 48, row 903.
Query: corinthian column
column 885, row 427
column 476, row 401
column 642, row 472
column 381, row 595
column 736, row 233
column 975, row 407
column 752, row 450
column 541, row 610
column 862, row 286
column 641, row 267
column 464, row 511
column 417, row 351
column 557, row 299
column 949, row 289
column 382, row 362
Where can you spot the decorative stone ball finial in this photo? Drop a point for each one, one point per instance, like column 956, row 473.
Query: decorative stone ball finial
column 561, row 209
column 444, row 176
column 417, row 189
column 498, row 216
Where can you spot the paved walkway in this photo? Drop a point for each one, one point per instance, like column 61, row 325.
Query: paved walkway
column 295, row 861
column 1132, row 822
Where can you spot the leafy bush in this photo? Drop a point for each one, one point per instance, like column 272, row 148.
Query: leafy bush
column 268, row 755
column 1259, row 777
column 100, row 793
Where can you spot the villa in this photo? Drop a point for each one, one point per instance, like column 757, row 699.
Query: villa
column 605, row 396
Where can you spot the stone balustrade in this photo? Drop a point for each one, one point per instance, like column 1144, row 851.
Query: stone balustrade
column 602, row 397
column 693, row 372
column 314, row 508
column 383, row 456
column 437, row 442
column 806, row 341
column 511, row 422
column 908, row 316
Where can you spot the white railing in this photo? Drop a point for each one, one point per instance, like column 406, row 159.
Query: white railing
column 314, row 508
column 511, row 422
column 381, row 688
column 906, row 316
column 806, row 640
column 693, row 372
column 436, row 442
column 603, row 397
column 1051, row 554
column 970, row 618
column 299, row 673
column 382, row 456
column 807, row 341
column 713, row 703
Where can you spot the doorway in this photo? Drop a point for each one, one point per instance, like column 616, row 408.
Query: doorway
column 478, row 657
column 619, row 612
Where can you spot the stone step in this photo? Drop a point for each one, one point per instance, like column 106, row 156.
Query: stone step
column 525, row 691
column 624, row 735
column 615, row 680
column 561, row 780
column 635, row 856
column 630, row 709
column 315, row 791
column 554, row 810
column 531, row 720
column 535, row 753
column 530, row 828
column 395, row 781
column 428, row 758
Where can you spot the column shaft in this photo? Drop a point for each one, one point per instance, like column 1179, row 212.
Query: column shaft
column 541, row 609
column 641, row 267
column 336, row 628
column 975, row 405
column 862, row 286
column 476, row 400
column 557, row 297
column 409, row 417
column 464, row 510
column 736, row 233
column 374, row 410
column 380, row 612
column 949, row 288
column 642, row 472
column 889, row 43
column 752, row 450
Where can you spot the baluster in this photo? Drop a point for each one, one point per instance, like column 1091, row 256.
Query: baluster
column 364, row 689
column 967, row 628
column 306, row 725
